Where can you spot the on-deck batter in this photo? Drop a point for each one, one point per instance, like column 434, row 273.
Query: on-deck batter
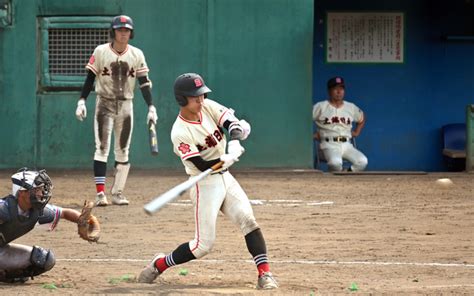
column 199, row 140
column 334, row 118
column 117, row 66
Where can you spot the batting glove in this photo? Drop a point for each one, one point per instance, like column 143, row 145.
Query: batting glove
column 152, row 116
column 228, row 160
column 234, row 148
column 81, row 110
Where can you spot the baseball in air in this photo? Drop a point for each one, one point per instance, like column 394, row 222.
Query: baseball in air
column 444, row 182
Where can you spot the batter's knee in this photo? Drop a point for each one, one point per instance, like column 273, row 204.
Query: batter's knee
column 248, row 224
column 203, row 248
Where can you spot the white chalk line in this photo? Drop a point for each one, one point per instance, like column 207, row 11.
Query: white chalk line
column 444, row 286
column 309, row 262
column 284, row 202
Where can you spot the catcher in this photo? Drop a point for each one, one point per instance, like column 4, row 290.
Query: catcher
column 26, row 208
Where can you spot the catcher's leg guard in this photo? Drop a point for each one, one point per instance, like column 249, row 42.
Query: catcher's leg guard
column 120, row 178
column 41, row 260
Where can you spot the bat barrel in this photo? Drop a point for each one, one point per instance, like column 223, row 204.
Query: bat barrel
column 153, row 138
column 157, row 203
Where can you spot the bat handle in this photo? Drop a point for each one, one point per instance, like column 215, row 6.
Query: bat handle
column 217, row 166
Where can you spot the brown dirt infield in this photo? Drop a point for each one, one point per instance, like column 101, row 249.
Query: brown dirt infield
column 387, row 234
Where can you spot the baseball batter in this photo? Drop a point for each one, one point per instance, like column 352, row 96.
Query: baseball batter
column 115, row 67
column 199, row 140
column 20, row 212
column 334, row 118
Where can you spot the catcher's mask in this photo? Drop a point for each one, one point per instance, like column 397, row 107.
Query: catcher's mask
column 189, row 85
column 121, row 21
column 30, row 180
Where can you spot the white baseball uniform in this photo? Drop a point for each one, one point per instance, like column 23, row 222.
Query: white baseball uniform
column 335, row 129
column 116, row 75
column 220, row 190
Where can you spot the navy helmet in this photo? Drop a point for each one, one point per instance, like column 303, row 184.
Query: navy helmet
column 121, row 21
column 189, row 85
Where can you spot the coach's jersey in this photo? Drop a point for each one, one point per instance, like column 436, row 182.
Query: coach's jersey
column 203, row 138
column 115, row 72
column 332, row 121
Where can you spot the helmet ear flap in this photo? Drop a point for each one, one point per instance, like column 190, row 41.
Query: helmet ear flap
column 182, row 100
column 131, row 34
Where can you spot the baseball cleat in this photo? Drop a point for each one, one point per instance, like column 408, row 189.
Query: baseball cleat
column 267, row 282
column 101, row 199
column 119, row 199
column 150, row 272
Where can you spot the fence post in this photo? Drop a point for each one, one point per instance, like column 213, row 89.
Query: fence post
column 470, row 138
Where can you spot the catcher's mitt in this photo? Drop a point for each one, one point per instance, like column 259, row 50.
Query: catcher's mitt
column 88, row 226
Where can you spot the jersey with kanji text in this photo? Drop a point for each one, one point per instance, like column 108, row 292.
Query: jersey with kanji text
column 204, row 138
column 115, row 72
column 336, row 121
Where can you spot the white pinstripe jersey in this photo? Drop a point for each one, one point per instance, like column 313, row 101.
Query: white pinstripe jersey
column 203, row 138
column 332, row 121
column 115, row 72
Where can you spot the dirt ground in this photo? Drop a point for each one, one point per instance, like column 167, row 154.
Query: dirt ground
column 326, row 234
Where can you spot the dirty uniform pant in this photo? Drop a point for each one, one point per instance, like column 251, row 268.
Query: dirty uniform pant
column 112, row 115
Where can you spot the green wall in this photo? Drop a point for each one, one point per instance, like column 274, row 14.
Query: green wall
column 256, row 56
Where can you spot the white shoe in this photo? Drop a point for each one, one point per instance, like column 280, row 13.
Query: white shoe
column 119, row 199
column 101, row 199
column 267, row 282
column 150, row 272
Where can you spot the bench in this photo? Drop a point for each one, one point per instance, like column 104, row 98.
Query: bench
column 454, row 146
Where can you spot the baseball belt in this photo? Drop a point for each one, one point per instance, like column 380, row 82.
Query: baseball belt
column 338, row 139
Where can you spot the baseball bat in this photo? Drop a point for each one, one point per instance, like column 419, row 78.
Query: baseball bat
column 157, row 203
column 153, row 139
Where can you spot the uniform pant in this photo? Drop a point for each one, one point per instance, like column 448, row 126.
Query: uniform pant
column 15, row 256
column 218, row 192
column 335, row 152
column 117, row 116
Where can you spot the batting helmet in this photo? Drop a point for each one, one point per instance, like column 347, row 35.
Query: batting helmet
column 189, row 85
column 121, row 21
column 26, row 179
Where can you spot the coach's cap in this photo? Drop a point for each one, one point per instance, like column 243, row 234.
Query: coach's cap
column 335, row 81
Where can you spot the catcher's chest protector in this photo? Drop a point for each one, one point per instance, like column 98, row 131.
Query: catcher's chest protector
column 18, row 225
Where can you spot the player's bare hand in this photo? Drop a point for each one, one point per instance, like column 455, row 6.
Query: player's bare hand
column 228, row 160
column 317, row 136
column 355, row 133
column 234, row 148
column 152, row 116
column 81, row 110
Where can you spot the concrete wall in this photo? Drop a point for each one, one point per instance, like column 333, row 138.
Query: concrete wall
column 255, row 55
